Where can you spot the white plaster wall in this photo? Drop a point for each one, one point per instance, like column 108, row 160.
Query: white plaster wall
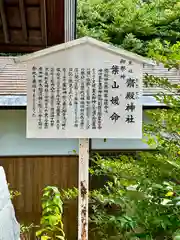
column 13, row 140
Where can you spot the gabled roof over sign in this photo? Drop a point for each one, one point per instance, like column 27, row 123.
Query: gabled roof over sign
column 84, row 40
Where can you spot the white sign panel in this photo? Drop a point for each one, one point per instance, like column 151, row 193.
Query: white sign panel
column 84, row 92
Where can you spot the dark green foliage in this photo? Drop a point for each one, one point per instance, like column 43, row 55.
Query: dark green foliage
column 141, row 199
column 131, row 24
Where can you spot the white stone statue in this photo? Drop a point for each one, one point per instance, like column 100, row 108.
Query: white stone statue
column 9, row 227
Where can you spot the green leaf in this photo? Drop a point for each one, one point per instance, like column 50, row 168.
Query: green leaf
column 40, row 232
column 60, row 237
column 45, row 238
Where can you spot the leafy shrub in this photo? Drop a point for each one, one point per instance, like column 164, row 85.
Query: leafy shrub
column 51, row 225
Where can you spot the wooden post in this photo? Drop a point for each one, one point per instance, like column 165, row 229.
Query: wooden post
column 83, row 189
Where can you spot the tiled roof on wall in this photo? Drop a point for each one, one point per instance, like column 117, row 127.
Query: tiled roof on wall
column 159, row 71
column 13, row 76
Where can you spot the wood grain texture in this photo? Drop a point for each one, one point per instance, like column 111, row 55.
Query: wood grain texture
column 23, row 18
column 55, row 21
column 30, row 25
column 4, row 21
column 30, row 175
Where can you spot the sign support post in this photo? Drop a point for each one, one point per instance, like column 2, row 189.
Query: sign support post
column 83, row 186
